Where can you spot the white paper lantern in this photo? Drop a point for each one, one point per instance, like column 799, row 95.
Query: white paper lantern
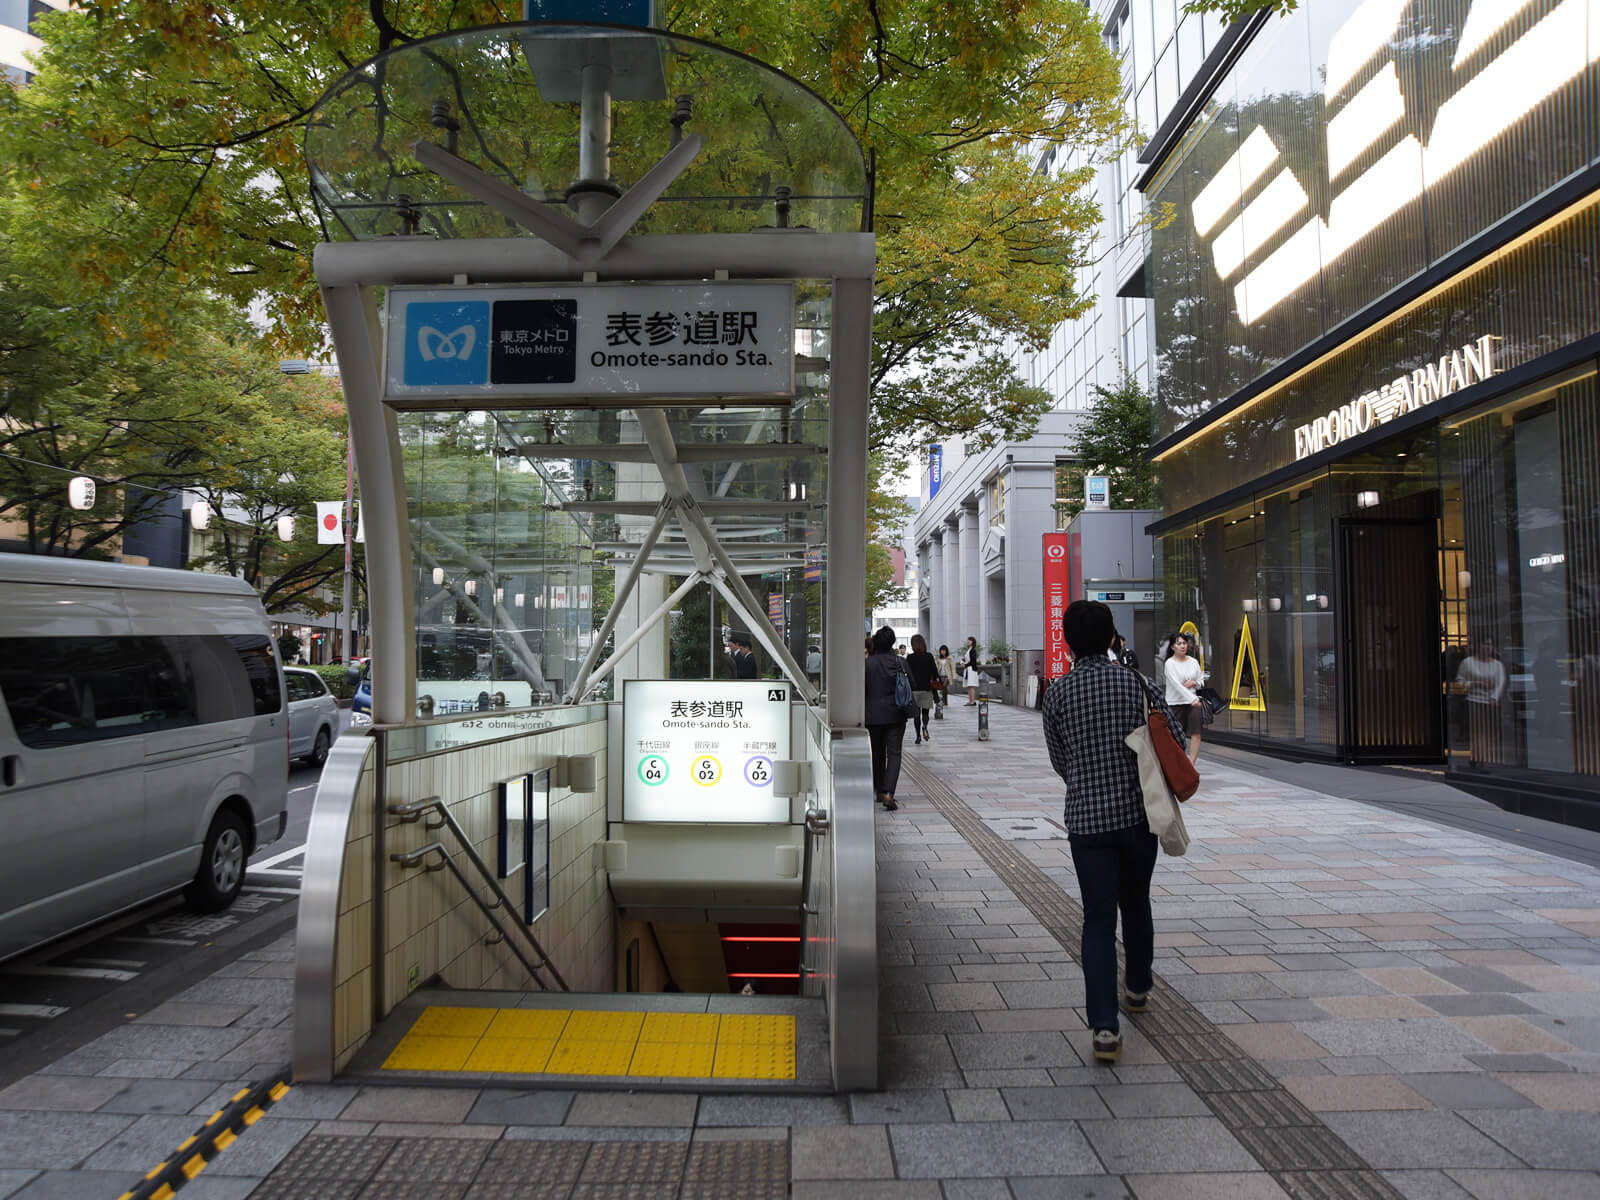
column 472, row 587
column 438, row 577
column 286, row 529
column 80, row 492
column 521, row 599
column 199, row 514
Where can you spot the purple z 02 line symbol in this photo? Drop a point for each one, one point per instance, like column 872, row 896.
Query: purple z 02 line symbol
column 758, row 771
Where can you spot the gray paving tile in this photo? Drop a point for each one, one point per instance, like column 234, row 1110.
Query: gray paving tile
column 1070, row 1187
column 1390, row 1037
column 210, row 1186
column 167, row 1042
column 1520, row 1185
column 1476, row 1004
column 1056, row 993
column 866, row 1189
column 917, row 1060
column 977, row 1104
column 938, row 1022
column 1164, row 1144
column 498, row 1106
column 1002, row 1050
column 160, row 1096
column 1517, row 1062
column 440, row 1105
column 1425, row 1185
column 920, row 1105
column 1563, row 1141
column 149, row 1140
column 1053, row 1103
column 453, row 1160
column 773, row 1110
column 1459, row 1091
column 859, row 1152
column 60, row 1093
column 11, row 1181
column 315, row 1100
column 270, row 1140
column 988, row 1150
column 975, row 1189
column 1227, row 987
column 1397, row 1140
column 1479, row 979
column 175, row 1013
column 74, row 1185
column 1152, row 1100
column 634, row 1108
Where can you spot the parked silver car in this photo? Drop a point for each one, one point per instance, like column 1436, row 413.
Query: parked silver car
column 313, row 716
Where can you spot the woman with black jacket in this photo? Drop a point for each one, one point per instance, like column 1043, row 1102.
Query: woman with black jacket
column 886, row 724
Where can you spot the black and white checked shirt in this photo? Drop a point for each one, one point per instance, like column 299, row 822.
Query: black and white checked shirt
column 1087, row 714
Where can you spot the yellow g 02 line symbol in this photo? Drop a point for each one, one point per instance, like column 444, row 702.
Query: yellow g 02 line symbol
column 653, row 770
column 705, row 770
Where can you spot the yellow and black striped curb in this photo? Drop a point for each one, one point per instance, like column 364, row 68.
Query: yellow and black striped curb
column 219, row 1132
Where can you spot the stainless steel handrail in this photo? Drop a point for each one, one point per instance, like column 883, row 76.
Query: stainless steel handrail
column 817, row 826
column 413, row 811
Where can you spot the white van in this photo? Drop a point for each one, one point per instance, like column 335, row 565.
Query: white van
column 143, row 740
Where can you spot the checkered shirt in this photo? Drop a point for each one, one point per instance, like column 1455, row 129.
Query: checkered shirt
column 1087, row 714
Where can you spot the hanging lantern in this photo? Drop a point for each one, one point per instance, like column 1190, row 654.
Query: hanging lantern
column 286, row 529
column 199, row 515
column 80, row 492
column 438, row 577
column 472, row 587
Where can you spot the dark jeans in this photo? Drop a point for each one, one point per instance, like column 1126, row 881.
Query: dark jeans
column 886, row 742
column 1114, row 872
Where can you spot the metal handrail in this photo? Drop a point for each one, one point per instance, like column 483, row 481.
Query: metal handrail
column 413, row 811
column 817, row 825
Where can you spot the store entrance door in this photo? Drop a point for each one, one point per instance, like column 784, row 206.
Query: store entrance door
column 1389, row 669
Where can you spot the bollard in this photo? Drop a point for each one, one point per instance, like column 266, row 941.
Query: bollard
column 983, row 717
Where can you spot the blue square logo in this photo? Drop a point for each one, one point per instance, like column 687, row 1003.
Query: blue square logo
column 447, row 343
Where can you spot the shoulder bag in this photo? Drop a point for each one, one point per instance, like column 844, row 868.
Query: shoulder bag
column 1212, row 700
column 1160, row 809
column 903, row 699
column 1176, row 765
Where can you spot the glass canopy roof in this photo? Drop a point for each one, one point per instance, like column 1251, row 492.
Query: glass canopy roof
column 505, row 98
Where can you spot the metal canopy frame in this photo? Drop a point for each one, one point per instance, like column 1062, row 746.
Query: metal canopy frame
column 594, row 246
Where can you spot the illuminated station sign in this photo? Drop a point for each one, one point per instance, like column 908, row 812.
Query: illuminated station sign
column 701, row 751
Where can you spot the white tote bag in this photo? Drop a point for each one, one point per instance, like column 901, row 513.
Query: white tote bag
column 1160, row 807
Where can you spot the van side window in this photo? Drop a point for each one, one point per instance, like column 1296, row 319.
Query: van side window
column 65, row 691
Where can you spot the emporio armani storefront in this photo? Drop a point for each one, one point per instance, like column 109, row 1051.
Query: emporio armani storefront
column 1377, row 314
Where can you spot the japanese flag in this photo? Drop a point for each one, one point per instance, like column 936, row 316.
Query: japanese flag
column 330, row 522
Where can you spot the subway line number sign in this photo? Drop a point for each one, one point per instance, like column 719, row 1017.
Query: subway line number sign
column 701, row 751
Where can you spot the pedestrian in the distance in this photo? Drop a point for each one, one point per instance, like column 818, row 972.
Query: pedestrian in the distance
column 924, row 670
column 1184, row 678
column 949, row 678
column 1087, row 715
column 886, row 724
column 970, row 668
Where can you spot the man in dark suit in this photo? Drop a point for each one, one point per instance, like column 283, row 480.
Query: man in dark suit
column 744, row 659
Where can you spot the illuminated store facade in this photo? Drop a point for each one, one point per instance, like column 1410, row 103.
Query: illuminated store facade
column 1376, row 323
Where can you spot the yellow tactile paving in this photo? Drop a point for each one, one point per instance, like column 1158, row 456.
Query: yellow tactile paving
column 756, row 1031
column 511, row 1056
column 515, row 1041
column 698, row 1028
column 528, row 1023
column 575, row 1057
column 604, row 1026
column 416, row 1053
column 681, row 1060
column 441, row 1021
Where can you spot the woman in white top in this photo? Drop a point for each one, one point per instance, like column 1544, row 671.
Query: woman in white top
column 1184, row 678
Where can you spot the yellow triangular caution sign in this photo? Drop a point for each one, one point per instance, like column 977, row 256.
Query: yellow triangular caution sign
column 1247, row 649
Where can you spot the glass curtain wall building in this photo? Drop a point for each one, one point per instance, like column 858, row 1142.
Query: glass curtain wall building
column 1376, row 323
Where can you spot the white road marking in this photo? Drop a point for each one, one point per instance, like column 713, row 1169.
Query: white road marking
column 10, row 1032
column 129, row 963
column 75, row 972
column 276, row 891
column 285, row 856
column 45, row 1012
column 159, row 941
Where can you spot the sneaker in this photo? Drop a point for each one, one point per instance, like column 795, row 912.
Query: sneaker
column 890, row 804
column 1136, row 1002
column 1107, row 1045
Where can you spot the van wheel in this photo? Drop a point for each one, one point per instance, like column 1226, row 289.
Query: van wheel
column 221, row 873
column 319, row 752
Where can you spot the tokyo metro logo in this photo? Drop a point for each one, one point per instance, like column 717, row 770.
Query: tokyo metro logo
column 447, row 343
column 1375, row 165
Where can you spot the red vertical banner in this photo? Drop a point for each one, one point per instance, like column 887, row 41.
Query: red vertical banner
column 1057, row 595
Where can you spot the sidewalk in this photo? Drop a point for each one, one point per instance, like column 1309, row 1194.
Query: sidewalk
column 1350, row 1002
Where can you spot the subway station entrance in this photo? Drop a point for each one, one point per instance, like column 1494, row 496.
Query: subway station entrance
column 602, row 303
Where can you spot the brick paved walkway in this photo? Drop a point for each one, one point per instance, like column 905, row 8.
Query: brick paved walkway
column 1428, row 999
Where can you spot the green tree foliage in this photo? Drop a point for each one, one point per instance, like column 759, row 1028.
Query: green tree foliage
column 1234, row 10
column 887, row 514
column 1114, row 440
column 159, row 145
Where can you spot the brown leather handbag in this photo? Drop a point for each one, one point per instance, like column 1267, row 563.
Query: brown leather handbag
column 1178, row 770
